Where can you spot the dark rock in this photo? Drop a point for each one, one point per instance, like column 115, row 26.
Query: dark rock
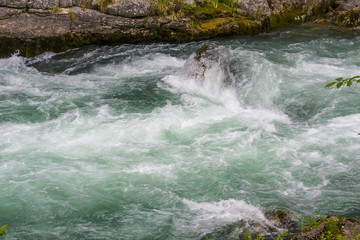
column 65, row 3
column 212, row 63
column 6, row 13
column 113, row 9
column 281, row 218
column 347, row 5
column 45, row 4
column 17, row 3
column 272, row 223
column 254, row 8
column 349, row 18
column 351, row 229
column 202, row 60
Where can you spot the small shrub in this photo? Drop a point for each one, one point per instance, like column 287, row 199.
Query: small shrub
column 311, row 221
column 247, row 237
column 281, row 235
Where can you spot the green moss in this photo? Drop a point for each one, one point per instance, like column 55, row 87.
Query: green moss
column 162, row 7
column 200, row 51
column 285, row 18
column 322, row 9
column 229, row 3
column 207, row 11
column 213, row 23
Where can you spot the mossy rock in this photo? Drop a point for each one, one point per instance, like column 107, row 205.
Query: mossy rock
column 285, row 18
column 331, row 228
column 349, row 19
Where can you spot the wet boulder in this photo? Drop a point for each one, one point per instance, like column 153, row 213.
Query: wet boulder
column 269, row 225
column 281, row 218
column 211, row 61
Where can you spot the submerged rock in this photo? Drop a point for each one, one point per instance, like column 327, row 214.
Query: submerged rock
column 268, row 225
column 281, row 218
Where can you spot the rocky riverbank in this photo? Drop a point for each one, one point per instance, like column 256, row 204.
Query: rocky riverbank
column 312, row 228
column 34, row 26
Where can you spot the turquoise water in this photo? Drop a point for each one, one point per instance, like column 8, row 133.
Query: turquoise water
column 123, row 142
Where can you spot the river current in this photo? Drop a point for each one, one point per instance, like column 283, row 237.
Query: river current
column 119, row 142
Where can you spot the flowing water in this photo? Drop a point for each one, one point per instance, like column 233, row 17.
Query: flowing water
column 122, row 142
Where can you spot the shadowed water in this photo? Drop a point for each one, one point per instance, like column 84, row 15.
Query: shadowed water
column 120, row 142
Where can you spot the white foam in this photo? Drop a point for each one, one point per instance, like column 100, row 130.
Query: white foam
column 152, row 169
column 214, row 215
column 141, row 66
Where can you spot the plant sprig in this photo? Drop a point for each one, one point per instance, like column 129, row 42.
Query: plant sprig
column 2, row 230
column 311, row 221
column 344, row 82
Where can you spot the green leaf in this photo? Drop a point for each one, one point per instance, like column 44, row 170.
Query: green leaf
column 339, row 79
column 349, row 83
column 339, row 84
column 3, row 227
column 330, row 84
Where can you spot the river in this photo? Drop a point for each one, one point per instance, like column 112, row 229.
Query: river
column 120, row 142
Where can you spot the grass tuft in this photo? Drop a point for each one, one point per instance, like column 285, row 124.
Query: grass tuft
column 103, row 4
column 55, row 10
column 71, row 15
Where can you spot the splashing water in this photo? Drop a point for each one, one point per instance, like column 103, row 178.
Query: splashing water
column 123, row 142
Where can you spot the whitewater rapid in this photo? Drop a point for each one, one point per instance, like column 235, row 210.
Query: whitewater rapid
column 121, row 142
